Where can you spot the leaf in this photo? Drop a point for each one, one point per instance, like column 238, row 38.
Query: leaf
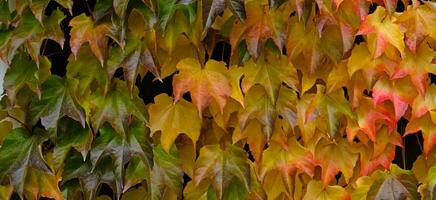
column 270, row 72
column 400, row 97
column 120, row 7
column 417, row 66
column 116, row 108
column 288, row 159
column 22, row 72
column 58, row 100
column 167, row 175
column 315, row 190
column 258, row 106
column 86, row 68
column 204, row 84
column 90, row 180
column 121, row 150
column 334, row 158
column 83, row 30
column 210, row 10
column 71, row 135
column 428, row 129
column 24, row 166
column 221, row 166
column 386, row 32
column 172, row 119
column 260, row 25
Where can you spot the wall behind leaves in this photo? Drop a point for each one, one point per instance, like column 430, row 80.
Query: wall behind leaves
column 217, row 99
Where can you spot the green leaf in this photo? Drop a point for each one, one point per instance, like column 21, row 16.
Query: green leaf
column 116, row 108
column 71, row 135
column 221, row 166
column 22, row 160
column 121, row 150
column 167, row 173
column 58, row 100
column 22, row 72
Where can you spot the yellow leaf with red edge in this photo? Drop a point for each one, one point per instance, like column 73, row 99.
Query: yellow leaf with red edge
column 172, row 119
column 334, row 157
column 206, row 83
column 316, row 191
column 425, row 103
column 428, row 129
column 417, row 66
column 386, row 31
column 400, row 92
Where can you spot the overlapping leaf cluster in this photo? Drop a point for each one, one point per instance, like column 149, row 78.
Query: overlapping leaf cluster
column 305, row 107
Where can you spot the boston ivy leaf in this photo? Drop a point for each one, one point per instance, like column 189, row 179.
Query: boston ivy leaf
column 316, row 191
column 86, row 69
column 259, row 106
column 334, row 158
column 260, row 25
column 287, row 159
column 167, row 174
column 270, row 72
column 396, row 183
column 381, row 24
column 84, row 30
column 58, row 100
column 400, row 97
column 221, row 166
column 203, row 83
column 22, row 72
column 211, row 9
column 90, row 180
column 417, row 66
column 120, row 149
column 116, row 108
column 428, row 129
column 71, row 135
column 24, row 166
column 173, row 119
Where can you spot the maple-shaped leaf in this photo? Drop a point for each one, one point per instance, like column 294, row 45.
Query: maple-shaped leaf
column 316, row 191
column 270, row 72
column 418, row 22
column 203, row 83
column 425, row 103
column 116, row 108
column 369, row 116
column 121, row 150
column 396, row 183
column 90, row 180
column 428, row 129
column 287, row 159
column 135, row 58
column 58, row 99
column 84, row 30
column 24, row 166
column 221, row 166
column 417, row 66
column 259, row 106
column 260, row 25
column 335, row 157
column 330, row 108
column 85, row 67
column 21, row 73
column 400, row 92
column 386, row 32
column 71, row 135
column 167, row 174
column 173, row 118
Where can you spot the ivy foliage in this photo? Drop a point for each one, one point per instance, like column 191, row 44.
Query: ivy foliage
column 309, row 102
